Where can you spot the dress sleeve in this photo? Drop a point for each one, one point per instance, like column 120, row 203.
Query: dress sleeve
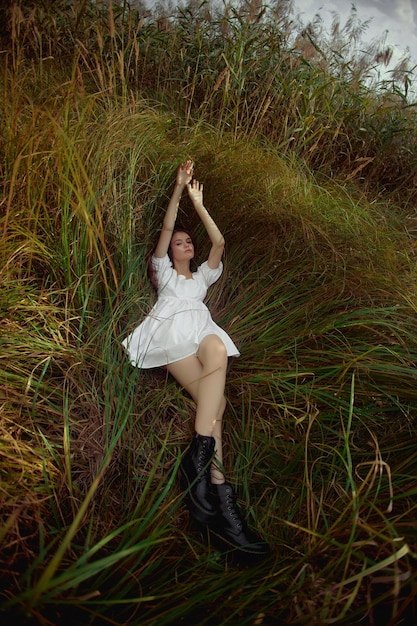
column 162, row 268
column 209, row 275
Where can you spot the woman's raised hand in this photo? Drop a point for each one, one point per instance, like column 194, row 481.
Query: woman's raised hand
column 195, row 191
column 185, row 173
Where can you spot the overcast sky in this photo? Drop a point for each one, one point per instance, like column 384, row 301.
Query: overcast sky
column 398, row 17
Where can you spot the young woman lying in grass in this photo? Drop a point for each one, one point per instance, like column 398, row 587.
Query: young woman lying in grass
column 179, row 334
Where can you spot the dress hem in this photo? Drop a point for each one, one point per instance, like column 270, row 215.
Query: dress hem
column 150, row 367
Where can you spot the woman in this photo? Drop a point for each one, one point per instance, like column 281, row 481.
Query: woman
column 180, row 335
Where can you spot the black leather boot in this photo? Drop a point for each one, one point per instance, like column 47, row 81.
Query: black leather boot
column 230, row 532
column 196, row 478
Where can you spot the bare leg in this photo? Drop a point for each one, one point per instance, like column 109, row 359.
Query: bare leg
column 213, row 357
column 204, row 377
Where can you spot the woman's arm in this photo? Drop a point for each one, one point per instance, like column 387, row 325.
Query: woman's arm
column 184, row 175
column 195, row 191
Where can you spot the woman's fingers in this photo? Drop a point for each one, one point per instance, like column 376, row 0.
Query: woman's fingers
column 185, row 172
column 187, row 166
column 194, row 184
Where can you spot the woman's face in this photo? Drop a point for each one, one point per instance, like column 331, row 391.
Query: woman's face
column 182, row 247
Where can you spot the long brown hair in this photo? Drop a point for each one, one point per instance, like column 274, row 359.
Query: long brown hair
column 193, row 263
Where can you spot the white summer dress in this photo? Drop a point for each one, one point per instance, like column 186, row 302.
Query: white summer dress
column 178, row 321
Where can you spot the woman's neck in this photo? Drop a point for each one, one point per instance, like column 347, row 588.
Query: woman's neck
column 183, row 269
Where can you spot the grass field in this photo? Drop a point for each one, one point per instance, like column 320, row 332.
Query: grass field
column 310, row 174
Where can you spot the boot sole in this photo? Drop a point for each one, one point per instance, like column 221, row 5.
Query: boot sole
column 241, row 553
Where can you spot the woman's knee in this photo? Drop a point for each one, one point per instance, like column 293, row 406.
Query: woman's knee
column 212, row 350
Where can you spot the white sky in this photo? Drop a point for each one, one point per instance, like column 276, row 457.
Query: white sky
column 398, row 17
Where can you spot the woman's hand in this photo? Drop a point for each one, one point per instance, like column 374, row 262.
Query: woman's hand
column 185, row 173
column 195, row 191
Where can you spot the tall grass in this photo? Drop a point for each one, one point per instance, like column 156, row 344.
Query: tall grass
column 317, row 291
column 247, row 69
column 251, row 72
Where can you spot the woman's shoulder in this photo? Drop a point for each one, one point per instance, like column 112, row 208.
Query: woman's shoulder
column 204, row 267
column 209, row 274
column 160, row 262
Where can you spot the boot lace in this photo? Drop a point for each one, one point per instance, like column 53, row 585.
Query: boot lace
column 202, row 459
column 232, row 508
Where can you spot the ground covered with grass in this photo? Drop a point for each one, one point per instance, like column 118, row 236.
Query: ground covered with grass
column 318, row 291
